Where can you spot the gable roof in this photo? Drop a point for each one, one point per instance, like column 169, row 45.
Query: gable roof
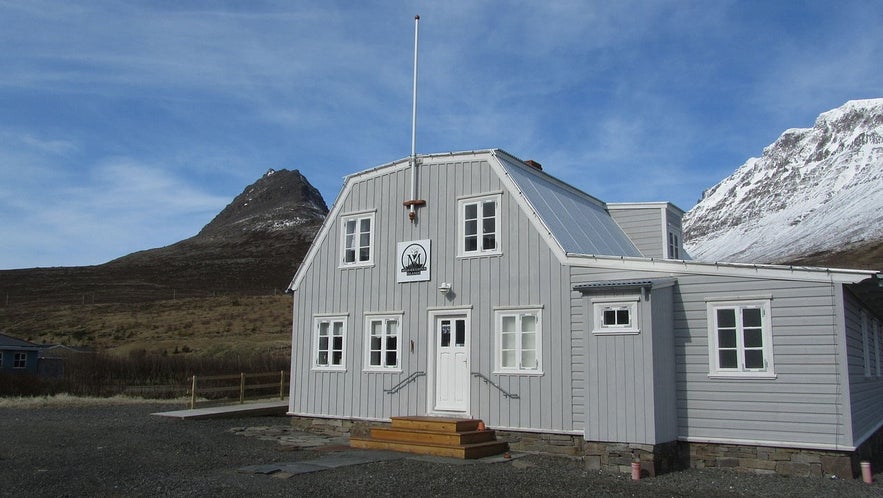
column 11, row 343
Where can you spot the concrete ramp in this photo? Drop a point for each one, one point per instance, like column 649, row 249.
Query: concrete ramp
column 230, row 411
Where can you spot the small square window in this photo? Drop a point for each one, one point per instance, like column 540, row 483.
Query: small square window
column 615, row 316
column 20, row 360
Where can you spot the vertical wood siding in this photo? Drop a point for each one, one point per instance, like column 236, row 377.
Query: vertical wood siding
column 526, row 274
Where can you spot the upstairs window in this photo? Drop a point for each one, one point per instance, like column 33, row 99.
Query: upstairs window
column 479, row 225
column 384, row 342
column 357, row 240
column 740, row 339
column 519, row 334
column 674, row 244
column 329, row 351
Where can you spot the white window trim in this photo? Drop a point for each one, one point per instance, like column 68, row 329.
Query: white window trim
column 314, row 351
column 342, row 264
column 876, row 335
column 673, row 231
column 461, row 222
column 369, row 317
column 879, row 342
column 519, row 311
column 866, row 347
column 19, row 357
column 714, row 371
column 631, row 302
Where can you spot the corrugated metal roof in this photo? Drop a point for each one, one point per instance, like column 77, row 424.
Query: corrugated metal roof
column 579, row 222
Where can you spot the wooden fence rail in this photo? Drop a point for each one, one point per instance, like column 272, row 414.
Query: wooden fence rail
column 279, row 380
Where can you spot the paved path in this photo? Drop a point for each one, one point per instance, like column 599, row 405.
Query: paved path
column 230, row 411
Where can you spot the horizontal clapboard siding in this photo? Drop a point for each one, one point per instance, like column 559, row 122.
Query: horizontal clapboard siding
column 526, row 274
column 643, row 226
column 801, row 405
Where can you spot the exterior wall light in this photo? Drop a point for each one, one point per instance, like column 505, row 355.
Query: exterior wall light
column 444, row 288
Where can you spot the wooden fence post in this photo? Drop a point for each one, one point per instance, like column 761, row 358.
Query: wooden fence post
column 282, row 384
column 193, row 393
column 242, row 388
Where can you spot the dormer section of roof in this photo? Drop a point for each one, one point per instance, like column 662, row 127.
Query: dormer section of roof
column 654, row 227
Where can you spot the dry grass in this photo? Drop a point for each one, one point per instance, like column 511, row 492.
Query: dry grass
column 67, row 400
column 212, row 326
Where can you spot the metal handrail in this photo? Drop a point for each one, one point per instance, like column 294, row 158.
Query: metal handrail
column 407, row 380
column 506, row 394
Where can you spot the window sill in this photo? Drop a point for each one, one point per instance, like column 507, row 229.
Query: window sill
column 743, row 376
column 328, row 369
column 381, row 370
column 480, row 255
column 616, row 332
column 354, row 266
column 520, row 373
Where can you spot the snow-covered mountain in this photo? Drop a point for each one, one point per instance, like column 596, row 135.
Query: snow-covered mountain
column 814, row 190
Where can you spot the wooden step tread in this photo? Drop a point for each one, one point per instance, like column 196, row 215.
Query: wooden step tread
column 431, row 436
column 466, row 451
column 445, row 424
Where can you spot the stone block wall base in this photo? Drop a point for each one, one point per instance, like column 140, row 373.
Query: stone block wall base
column 334, row 427
column 769, row 460
column 658, row 458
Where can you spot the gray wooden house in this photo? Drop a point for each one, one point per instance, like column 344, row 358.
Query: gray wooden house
column 518, row 299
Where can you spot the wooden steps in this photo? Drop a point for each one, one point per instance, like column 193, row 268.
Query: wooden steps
column 437, row 436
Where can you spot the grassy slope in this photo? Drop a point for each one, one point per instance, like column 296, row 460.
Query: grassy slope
column 202, row 326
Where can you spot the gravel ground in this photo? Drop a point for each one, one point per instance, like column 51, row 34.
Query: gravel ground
column 121, row 450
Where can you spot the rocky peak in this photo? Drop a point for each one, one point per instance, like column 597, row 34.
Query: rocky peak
column 813, row 189
column 279, row 200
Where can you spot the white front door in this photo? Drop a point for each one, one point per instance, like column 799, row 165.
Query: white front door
column 452, row 363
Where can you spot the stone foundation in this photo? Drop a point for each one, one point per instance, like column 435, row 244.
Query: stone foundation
column 659, row 458
column 769, row 460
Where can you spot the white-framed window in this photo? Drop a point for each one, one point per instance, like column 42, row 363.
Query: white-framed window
column 740, row 339
column 615, row 315
column 519, row 334
column 357, row 239
column 329, row 344
column 384, row 342
column 1, row 359
column 20, row 360
column 479, row 225
column 866, row 344
column 674, row 243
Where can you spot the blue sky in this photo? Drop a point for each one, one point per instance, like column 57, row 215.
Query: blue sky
column 127, row 125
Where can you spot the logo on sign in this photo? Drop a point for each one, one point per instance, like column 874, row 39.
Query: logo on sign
column 414, row 260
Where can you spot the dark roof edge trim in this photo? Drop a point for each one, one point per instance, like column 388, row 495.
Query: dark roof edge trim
column 656, row 283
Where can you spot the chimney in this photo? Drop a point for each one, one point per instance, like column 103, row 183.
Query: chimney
column 531, row 162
